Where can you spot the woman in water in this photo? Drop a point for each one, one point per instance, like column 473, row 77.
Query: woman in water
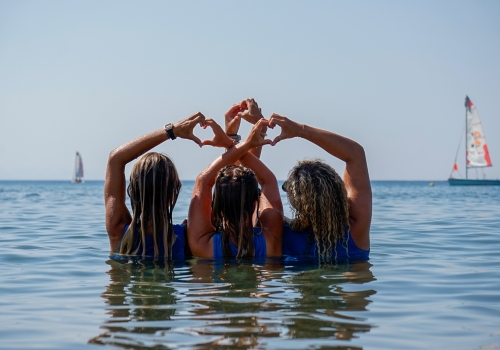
column 153, row 190
column 238, row 221
column 331, row 215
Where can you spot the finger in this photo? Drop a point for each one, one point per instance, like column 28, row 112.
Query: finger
column 244, row 115
column 235, row 120
column 276, row 140
column 234, row 108
column 267, row 142
column 195, row 139
column 233, row 126
column 262, row 123
column 275, row 119
column 209, row 122
column 208, row 143
column 197, row 115
column 198, row 119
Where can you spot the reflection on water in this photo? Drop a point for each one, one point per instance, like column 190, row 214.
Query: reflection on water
column 206, row 303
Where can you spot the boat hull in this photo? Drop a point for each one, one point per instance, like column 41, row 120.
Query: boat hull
column 470, row 182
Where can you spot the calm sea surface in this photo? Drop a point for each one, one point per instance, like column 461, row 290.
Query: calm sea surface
column 433, row 280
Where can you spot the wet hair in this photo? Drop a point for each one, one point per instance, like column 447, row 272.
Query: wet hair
column 153, row 190
column 319, row 203
column 235, row 195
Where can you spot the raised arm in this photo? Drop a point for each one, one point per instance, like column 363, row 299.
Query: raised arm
column 356, row 177
column 200, row 227
column 117, row 214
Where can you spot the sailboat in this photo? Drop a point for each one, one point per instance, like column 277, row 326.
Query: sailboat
column 476, row 149
column 78, row 172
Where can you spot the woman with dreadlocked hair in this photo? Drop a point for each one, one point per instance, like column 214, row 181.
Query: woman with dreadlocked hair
column 331, row 215
column 237, row 221
column 153, row 190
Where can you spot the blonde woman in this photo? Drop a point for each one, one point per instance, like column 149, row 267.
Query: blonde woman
column 332, row 215
column 153, row 190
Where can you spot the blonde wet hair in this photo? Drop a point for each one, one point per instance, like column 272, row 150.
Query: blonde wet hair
column 319, row 203
column 153, row 190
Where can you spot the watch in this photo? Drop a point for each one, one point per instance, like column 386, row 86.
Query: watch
column 169, row 129
column 235, row 137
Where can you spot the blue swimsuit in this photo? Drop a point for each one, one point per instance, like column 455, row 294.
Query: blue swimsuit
column 259, row 243
column 177, row 248
column 302, row 244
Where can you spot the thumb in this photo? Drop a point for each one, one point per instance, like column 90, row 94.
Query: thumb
column 267, row 142
column 196, row 140
column 207, row 143
column 276, row 140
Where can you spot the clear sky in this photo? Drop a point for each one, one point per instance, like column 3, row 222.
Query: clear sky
column 90, row 75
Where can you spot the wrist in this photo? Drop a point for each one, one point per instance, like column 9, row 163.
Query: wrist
column 231, row 144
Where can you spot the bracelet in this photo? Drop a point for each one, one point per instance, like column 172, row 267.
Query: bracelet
column 232, row 145
column 169, row 129
column 235, row 137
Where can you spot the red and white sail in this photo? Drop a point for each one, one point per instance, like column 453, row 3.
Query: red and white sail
column 476, row 147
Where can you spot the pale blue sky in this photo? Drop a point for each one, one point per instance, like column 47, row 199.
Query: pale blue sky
column 88, row 76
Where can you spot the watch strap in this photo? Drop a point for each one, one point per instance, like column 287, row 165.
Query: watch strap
column 169, row 129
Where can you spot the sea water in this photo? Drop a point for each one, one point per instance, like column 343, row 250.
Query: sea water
column 432, row 282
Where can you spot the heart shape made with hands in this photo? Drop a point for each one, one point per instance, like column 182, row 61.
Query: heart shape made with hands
column 204, row 133
column 273, row 133
column 207, row 133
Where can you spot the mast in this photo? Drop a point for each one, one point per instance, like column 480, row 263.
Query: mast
column 466, row 130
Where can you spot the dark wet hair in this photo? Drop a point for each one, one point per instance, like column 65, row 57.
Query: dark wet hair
column 235, row 195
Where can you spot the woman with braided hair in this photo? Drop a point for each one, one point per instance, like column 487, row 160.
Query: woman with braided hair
column 153, row 190
column 331, row 215
column 238, row 221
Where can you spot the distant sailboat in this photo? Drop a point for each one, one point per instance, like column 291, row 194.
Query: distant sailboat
column 78, row 172
column 476, row 149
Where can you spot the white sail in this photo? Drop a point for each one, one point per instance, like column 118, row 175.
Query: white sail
column 78, row 172
column 476, row 147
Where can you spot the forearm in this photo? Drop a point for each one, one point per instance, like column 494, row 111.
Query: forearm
column 231, row 156
column 133, row 149
column 337, row 145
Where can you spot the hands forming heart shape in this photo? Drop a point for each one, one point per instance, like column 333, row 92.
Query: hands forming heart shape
column 248, row 110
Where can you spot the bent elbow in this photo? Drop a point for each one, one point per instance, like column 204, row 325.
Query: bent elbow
column 358, row 152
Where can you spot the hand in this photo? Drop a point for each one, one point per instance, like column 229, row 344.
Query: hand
column 289, row 128
column 250, row 111
column 232, row 119
column 256, row 138
column 184, row 128
column 220, row 137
